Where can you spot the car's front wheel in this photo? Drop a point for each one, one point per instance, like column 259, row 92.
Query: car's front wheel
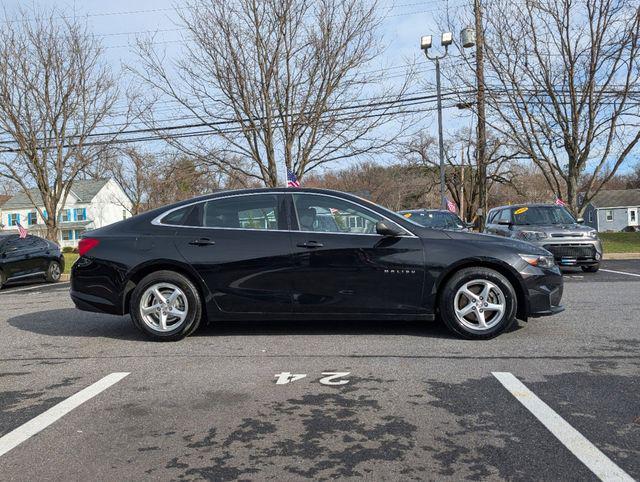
column 166, row 306
column 478, row 303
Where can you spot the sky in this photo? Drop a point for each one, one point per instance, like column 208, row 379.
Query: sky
column 120, row 22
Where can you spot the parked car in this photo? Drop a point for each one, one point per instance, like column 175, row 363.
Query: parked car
column 436, row 219
column 175, row 267
column 552, row 228
column 27, row 258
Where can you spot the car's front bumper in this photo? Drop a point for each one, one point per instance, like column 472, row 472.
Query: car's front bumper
column 544, row 287
column 573, row 251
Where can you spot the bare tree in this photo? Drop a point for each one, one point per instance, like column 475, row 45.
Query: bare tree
column 563, row 87
column 55, row 92
column 276, row 82
column 461, row 172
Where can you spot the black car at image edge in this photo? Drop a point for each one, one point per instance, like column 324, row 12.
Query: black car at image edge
column 306, row 254
column 29, row 258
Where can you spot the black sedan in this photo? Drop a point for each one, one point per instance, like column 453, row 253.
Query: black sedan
column 24, row 259
column 272, row 254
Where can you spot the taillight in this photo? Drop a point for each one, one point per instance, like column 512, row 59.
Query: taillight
column 87, row 244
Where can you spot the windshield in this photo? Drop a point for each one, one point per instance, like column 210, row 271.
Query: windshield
column 542, row 215
column 434, row 219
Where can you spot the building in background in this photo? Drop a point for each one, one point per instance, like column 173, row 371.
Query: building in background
column 91, row 204
column 614, row 210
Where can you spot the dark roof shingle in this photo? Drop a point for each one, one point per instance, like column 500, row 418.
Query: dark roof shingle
column 86, row 190
column 616, row 198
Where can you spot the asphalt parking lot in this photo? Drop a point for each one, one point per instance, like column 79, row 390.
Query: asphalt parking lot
column 410, row 401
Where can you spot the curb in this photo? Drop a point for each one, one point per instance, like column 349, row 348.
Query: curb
column 621, row 256
column 65, row 277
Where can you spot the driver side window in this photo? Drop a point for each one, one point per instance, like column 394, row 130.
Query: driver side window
column 326, row 214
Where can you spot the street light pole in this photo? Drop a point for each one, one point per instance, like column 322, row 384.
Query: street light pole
column 443, row 200
column 425, row 44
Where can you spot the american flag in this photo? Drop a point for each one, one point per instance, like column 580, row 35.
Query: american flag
column 559, row 202
column 451, row 206
column 23, row 232
column 292, row 179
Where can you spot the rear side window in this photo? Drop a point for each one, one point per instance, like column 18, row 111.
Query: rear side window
column 175, row 218
column 258, row 211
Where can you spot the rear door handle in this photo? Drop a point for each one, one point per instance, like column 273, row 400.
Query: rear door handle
column 202, row 242
column 310, row 245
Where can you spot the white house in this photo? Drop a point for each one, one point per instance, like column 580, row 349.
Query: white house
column 91, row 204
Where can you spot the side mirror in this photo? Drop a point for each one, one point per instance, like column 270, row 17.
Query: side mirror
column 580, row 220
column 505, row 223
column 385, row 229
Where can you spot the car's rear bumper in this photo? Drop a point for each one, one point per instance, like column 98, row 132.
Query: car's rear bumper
column 95, row 304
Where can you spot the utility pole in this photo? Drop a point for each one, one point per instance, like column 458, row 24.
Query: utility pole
column 482, row 133
column 462, row 184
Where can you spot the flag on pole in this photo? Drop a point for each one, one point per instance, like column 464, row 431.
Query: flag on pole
column 559, row 202
column 451, row 206
column 292, row 179
column 23, row 232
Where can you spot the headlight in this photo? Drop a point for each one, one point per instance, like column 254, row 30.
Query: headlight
column 539, row 261
column 530, row 235
column 593, row 234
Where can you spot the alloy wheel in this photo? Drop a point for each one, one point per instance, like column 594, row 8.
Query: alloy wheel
column 54, row 271
column 164, row 307
column 479, row 305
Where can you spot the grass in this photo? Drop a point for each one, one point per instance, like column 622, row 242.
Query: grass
column 69, row 259
column 620, row 242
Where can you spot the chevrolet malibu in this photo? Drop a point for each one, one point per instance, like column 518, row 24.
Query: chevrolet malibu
column 273, row 254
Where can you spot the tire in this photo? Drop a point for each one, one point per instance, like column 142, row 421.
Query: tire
column 591, row 269
column 3, row 279
column 53, row 272
column 181, row 316
column 475, row 281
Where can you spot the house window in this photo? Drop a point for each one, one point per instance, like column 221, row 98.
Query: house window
column 81, row 214
column 14, row 219
column 79, row 233
column 64, row 216
column 590, row 216
column 67, row 235
column 609, row 214
column 32, row 218
column 124, row 214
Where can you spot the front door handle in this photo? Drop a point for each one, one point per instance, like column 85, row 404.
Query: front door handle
column 202, row 242
column 310, row 245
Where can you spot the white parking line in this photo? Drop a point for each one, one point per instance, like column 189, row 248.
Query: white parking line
column 585, row 451
column 42, row 421
column 33, row 288
column 619, row 272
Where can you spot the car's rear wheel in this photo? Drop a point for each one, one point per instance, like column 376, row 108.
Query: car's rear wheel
column 166, row 306
column 478, row 303
column 591, row 269
column 53, row 272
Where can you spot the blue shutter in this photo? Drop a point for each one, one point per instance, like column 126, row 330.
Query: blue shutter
column 44, row 212
column 75, row 215
column 18, row 218
column 84, row 214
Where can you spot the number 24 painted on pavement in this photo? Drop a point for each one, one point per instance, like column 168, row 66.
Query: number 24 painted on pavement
column 330, row 378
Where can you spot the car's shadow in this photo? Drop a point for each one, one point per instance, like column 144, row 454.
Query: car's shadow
column 74, row 323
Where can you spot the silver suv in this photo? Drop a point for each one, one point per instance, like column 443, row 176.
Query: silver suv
column 551, row 227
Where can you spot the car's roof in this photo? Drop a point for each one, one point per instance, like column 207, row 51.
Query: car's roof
column 530, row 205
column 425, row 211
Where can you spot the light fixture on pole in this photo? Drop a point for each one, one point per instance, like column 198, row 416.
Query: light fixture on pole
column 426, row 42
